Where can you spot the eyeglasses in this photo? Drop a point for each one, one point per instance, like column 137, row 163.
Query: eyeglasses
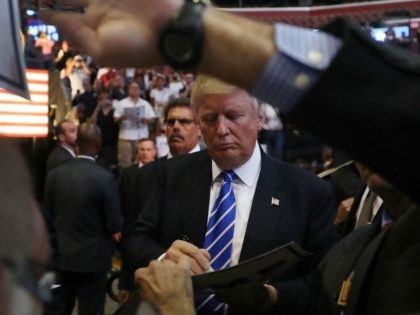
column 32, row 276
column 184, row 122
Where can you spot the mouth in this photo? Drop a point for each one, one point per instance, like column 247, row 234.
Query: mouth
column 225, row 146
column 176, row 138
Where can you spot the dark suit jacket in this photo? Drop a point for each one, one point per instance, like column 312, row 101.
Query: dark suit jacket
column 128, row 193
column 388, row 283
column 179, row 206
column 136, row 185
column 57, row 157
column 83, row 200
column 375, row 88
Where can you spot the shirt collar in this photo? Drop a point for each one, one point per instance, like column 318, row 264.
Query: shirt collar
column 195, row 149
column 247, row 172
column 68, row 149
column 87, row 157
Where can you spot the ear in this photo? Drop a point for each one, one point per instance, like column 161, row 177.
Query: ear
column 260, row 121
column 61, row 138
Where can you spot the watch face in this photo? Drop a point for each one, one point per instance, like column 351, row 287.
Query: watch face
column 178, row 46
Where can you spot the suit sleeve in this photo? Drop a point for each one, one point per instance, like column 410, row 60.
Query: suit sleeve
column 113, row 217
column 142, row 242
column 368, row 85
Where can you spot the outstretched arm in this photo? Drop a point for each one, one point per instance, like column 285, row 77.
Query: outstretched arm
column 124, row 33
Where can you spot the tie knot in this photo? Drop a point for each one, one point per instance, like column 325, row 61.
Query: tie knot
column 228, row 175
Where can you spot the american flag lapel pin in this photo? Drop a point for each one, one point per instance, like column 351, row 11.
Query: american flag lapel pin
column 275, row 201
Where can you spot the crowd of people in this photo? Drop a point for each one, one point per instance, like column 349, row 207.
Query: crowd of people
column 196, row 210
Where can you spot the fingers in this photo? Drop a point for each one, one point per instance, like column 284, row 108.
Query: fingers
column 75, row 3
column 57, row 4
column 74, row 26
column 199, row 259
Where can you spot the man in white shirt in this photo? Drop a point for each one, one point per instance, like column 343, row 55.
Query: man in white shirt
column 133, row 114
column 160, row 94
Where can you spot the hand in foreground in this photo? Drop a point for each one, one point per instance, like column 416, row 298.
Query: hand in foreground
column 167, row 286
column 199, row 259
column 249, row 299
column 114, row 32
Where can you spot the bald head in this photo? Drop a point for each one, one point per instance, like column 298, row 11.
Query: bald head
column 89, row 139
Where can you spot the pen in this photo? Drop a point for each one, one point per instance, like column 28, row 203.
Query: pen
column 185, row 238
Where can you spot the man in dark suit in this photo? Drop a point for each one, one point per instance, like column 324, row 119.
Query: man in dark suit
column 146, row 154
column 83, row 200
column 375, row 262
column 276, row 202
column 66, row 132
column 183, row 135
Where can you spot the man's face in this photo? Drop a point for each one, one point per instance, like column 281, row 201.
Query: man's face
column 78, row 63
column 182, row 130
column 70, row 134
column 134, row 90
column 229, row 124
column 119, row 82
column 146, row 152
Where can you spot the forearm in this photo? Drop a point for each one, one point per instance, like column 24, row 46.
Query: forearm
column 235, row 45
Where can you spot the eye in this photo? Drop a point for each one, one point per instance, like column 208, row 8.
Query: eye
column 209, row 119
column 234, row 116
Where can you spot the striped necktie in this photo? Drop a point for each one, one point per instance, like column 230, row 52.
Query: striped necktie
column 218, row 239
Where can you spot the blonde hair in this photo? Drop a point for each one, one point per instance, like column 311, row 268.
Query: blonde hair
column 210, row 85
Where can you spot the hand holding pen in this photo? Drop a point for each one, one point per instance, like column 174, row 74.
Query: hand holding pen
column 199, row 258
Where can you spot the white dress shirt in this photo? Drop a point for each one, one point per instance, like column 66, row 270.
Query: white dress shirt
column 244, row 190
column 68, row 149
column 377, row 203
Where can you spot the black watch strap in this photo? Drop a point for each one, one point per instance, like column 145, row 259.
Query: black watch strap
column 182, row 39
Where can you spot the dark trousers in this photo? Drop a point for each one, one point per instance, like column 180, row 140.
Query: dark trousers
column 88, row 288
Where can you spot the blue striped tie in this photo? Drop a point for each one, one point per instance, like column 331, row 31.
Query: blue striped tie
column 218, row 239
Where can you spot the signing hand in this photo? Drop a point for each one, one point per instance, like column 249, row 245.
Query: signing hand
column 199, row 259
column 109, row 27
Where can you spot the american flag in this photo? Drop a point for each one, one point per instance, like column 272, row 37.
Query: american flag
column 22, row 118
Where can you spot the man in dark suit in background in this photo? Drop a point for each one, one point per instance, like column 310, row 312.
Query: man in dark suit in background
column 82, row 198
column 375, row 262
column 183, row 135
column 66, row 132
column 276, row 202
column 146, row 154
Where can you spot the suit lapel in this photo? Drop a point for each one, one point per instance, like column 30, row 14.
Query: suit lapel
column 265, row 213
column 195, row 211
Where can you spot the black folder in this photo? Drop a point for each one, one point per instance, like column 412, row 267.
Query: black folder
column 259, row 269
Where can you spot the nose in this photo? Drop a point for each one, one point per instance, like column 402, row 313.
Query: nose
column 222, row 128
column 177, row 124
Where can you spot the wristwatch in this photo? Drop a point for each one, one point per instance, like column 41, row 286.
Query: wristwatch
column 182, row 38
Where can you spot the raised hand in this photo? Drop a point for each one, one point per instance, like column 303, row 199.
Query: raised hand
column 116, row 33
